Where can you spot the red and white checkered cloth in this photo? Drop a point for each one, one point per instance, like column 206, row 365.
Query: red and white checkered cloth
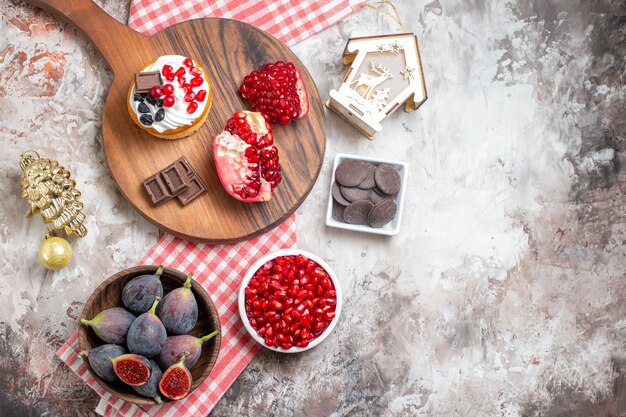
column 219, row 269
column 288, row 20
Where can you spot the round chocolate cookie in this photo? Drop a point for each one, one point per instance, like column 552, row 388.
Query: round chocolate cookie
column 382, row 213
column 337, row 196
column 368, row 182
column 354, row 193
column 338, row 211
column 378, row 196
column 350, row 172
column 387, row 179
column 357, row 212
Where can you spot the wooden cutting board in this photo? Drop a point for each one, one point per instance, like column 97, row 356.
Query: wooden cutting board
column 227, row 50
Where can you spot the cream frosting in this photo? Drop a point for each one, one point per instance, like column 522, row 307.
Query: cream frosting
column 175, row 116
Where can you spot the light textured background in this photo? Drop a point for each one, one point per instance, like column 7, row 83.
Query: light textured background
column 504, row 294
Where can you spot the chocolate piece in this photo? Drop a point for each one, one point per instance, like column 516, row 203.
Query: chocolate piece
column 338, row 211
column 350, row 172
column 197, row 186
column 357, row 212
column 378, row 196
column 368, row 182
column 354, row 193
column 194, row 190
column 176, row 178
column 144, row 81
column 382, row 213
column 337, row 195
column 387, row 179
column 157, row 190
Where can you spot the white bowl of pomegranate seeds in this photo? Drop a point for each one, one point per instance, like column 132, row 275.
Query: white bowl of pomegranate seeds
column 290, row 300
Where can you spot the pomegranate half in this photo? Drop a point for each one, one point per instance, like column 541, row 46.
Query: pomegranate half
column 277, row 91
column 246, row 158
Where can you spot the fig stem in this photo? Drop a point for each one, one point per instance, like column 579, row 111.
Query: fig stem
column 85, row 322
column 154, row 304
column 187, row 283
column 181, row 361
column 209, row 336
column 158, row 400
column 83, row 354
column 159, row 271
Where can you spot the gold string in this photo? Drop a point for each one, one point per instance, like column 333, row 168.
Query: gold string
column 395, row 16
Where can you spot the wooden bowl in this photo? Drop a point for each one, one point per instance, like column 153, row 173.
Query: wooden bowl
column 109, row 294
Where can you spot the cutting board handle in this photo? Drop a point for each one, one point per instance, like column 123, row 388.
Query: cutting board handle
column 110, row 37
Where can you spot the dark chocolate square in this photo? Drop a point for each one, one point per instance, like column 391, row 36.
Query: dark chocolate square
column 157, row 190
column 176, row 178
column 144, row 81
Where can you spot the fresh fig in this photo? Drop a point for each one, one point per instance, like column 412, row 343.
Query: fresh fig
column 151, row 388
column 100, row 360
column 179, row 309
column 140, row 292
column 147, row 335
column 175, row 346
column 246, row 160
column 176, row 380
column 111, row 325
column 133, row 370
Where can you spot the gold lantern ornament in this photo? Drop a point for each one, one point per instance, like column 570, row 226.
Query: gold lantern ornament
column 51, row 192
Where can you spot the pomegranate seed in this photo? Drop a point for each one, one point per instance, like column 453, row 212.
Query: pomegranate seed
column 276, row 305
column 167, row 69
column 190, row 97
column 201, row 95
column 156, row 91
column 302, row 343
column 188, row 62
column 192, row 107
column 169, row 101
column 196, row 81
column 170, row 76
column 329, row 315
column 286, row 346
column 180, row 72
column 168, row 89
column 195, row 71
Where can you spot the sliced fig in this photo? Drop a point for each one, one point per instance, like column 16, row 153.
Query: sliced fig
column 140, row 292
column 179, row 310
column 176, row 346
column 147, row 335
column 111, row 325
column 131, row 369
column 246, row 159
column 100, row 360
column 151, row 388
column 176, row 380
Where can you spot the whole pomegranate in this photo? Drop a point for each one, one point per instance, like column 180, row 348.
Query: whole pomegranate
column 246, row 158
column 277, row 91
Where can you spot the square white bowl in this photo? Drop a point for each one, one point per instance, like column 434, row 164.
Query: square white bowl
column 390, row 229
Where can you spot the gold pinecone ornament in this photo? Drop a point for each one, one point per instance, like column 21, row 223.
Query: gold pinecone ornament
column 51, row 192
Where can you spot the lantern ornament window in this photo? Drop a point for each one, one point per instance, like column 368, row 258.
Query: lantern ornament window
column 385, row 72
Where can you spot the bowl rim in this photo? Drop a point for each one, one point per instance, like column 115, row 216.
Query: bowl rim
column 136, row 271
column 248, row 276
column 392, row 231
